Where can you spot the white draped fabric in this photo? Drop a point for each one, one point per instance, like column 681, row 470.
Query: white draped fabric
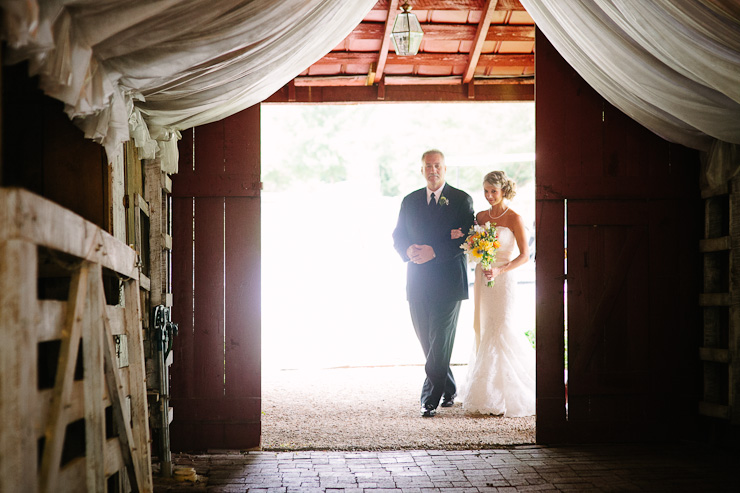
column 671, row 65
column 149, row 68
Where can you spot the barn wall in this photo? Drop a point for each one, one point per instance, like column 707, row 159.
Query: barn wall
column 45, row 153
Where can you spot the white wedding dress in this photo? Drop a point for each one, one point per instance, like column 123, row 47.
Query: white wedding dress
column 501, row 372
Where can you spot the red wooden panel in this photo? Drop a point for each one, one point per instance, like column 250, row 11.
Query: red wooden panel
column 550, row 274
column 227, row 159
column 219, row 405
column 568, row 118
column 243, row 295
column 632, row 201
column 182, row 303
column 242, row 143
column 608, row 310
column 208, row 309
column 222, row 409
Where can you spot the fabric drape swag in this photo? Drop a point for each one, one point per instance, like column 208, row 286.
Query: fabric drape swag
column 148, row 69
column 671, row 65
column 151, row 68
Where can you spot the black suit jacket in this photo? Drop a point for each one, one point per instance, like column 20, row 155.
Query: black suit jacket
column 445, row 277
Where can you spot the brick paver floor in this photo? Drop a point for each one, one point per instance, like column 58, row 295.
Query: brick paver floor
column 682, row 467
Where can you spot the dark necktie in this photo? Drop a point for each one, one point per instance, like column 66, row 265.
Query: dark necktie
column 432, row 202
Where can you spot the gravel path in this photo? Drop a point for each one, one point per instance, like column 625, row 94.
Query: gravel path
column 374, row 408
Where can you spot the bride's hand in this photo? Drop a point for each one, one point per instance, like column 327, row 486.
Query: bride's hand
column 456, row 233
column 492, row 272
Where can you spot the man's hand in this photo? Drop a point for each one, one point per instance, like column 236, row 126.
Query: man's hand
column 456, row 233
column 420, row 254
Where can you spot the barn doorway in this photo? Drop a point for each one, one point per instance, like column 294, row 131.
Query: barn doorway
column 335, row 324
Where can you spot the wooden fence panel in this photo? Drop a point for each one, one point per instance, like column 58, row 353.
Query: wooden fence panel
column 51, row 407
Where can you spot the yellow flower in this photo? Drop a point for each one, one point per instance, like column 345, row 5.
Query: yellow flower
column 496, row 244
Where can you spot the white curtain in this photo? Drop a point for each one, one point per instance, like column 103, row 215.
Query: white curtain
column 149, row 68
column 671, row 65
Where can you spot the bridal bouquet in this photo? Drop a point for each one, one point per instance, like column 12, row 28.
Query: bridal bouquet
column 481, row 245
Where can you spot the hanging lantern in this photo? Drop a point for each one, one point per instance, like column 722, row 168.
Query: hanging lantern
column 407, row 33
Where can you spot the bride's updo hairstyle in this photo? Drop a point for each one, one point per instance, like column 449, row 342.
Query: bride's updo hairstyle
column 500, row 180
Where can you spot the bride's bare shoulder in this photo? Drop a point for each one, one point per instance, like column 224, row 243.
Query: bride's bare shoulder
column 482, row 217
column 511, row 220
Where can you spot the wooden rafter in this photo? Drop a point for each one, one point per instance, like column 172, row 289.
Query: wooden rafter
column 429, row 59
column 454, row 5
column 384, row 43
column 480, row 37
column 404, row 80
column 447, row 32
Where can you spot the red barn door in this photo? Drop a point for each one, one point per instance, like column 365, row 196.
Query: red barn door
column 622, row 310
column 215, row 383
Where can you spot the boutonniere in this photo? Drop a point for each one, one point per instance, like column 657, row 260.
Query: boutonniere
column 443, row 200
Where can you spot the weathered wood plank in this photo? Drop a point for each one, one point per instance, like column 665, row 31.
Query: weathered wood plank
column 714, row 192
column 143, row 204
column 715, row 244
column 92, row 357
column 38, row 220
column 145, row 283
column 715, row 299
column 137, row 387
column 714, row 354
column 157, row 231
column 18, row 440
column 56, row 420
column 118, row 192
column 121, row 416
column 714, row 410
column 72, row 475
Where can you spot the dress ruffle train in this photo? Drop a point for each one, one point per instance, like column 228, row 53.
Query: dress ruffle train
column 501, row 372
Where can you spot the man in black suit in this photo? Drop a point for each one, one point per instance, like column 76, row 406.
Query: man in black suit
column 432, row 225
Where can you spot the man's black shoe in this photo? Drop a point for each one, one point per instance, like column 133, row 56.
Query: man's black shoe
column 448, row 401
column 427, row 411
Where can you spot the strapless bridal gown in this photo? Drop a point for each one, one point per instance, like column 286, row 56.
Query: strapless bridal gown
column 501, row 372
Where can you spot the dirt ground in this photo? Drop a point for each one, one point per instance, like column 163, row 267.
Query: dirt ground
column 373, row 408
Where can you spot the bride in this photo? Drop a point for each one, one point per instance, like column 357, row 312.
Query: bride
column 501, row 373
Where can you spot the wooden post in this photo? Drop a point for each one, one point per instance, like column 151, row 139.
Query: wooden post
column 18, row 313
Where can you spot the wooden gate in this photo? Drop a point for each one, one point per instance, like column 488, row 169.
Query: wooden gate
column 216, row 380
column 620, row 312
column 72, row 395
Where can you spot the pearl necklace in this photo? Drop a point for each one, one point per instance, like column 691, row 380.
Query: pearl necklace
column 489, row 213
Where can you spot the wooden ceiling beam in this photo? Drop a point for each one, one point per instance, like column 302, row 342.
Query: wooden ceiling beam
column 402, row 93
column 385, row 41
column 480, row 38
column 453, row 5
column 330, row 81
column 402, row 80
column 429, row 59
column 448, row 32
